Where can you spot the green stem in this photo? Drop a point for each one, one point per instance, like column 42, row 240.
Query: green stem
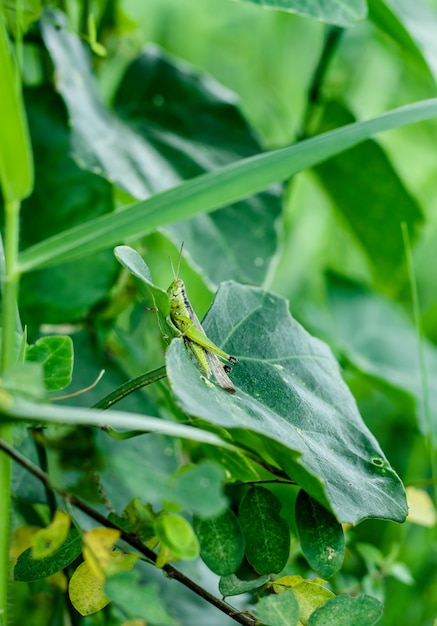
column 10, row 289
column 431, row 439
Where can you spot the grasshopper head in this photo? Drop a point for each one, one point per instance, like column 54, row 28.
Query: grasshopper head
column 175, row 293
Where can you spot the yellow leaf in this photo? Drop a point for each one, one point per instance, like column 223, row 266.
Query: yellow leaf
column 21, row 539
column 48, row 540
column 86, row 591
column 120, row 562
column 135, row 622
column 420, row 507
column 310, row 594
column 97, row 548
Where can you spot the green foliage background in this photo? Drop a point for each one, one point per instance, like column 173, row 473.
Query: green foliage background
column 210, row 92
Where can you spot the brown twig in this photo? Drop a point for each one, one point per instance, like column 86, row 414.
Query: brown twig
column 129, row 538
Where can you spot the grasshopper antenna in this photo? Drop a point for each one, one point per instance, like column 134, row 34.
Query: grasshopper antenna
column 176, row 274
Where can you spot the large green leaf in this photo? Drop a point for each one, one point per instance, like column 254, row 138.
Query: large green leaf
column 292, row 402
column 28, row 568
column 372, row 199
column 345, row 610
column 151, row 144
column 212, row 134
column 340, row 12
column 279, row 610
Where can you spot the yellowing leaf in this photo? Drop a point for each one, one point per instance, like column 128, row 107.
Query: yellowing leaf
column 21, row 539
column 310, row 594
column 120, row 562
column 49, row 539
column 421, row 508
column 134, row 622
column 97, row 549
column 86, row 591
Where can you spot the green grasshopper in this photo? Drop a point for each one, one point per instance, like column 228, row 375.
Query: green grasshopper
column 186, row 322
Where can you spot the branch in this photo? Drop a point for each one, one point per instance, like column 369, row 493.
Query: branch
column 129, row 538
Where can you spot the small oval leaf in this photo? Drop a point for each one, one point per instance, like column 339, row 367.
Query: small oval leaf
column 321, row 536
column 243, row 580
column 266, row 533
column 86, row 591
column 221, row 542
column 345, row 610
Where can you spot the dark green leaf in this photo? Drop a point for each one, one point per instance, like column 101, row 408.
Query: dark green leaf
column 340, row 12
column 293, row 402
column 321, row 536
column 64, row 196
column 56, row 356
column 362, row 196
column 243, row 580
column 27, row 569
column 221, row 542
column 138, row 600
column 266, row 533
column 278, row 610
column 345, row 610
column 217, row 133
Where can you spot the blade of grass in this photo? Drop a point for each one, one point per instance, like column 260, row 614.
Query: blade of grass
column 215, row 189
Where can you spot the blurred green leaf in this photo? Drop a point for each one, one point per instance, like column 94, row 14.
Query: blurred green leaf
column 177, row 535
column 321, row 536
column 411, row 26
column 278, row 610
column 345, row 610
column 243, row 580
column 266, row 533
column 200, row 488
column 340, row 12
column 293, row 402
column 64, row 196
column 56, row 356
column 26, row 379
column 138, row 600
column 221, row 542
column 376, row 336
column 28, row 568
column 373, row 199
column 213, row 134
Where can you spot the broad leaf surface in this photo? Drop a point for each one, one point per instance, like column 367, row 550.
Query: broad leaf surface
column 377, row 337
column 340, row 12
column 291, row 401
column 363, row 194
column 150, row 145
column 216, row 133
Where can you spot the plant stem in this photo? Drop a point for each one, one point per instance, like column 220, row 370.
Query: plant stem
column 10, row 289
column 130, row 538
